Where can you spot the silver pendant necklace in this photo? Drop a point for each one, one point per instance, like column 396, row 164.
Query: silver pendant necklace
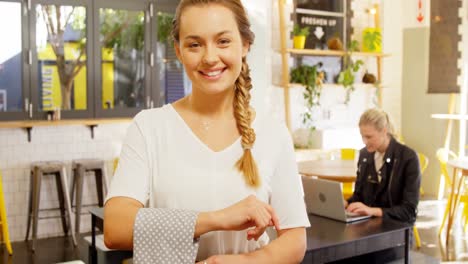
column 205, row 125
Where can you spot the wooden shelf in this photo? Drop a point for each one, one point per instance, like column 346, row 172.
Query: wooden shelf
column 316, row 52
column 335, row 85
column 450, row 116
column 91, row 123
column 85, row 122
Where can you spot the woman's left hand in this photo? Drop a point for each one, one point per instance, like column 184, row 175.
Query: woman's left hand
column 224, row 259
column 360, row 208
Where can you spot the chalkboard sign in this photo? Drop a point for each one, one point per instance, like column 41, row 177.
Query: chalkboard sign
column 323, row 5
column 321, row 29
column 324, row 18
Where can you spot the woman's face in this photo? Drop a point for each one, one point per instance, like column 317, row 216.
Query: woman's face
column 210, row 47
column 373, row 138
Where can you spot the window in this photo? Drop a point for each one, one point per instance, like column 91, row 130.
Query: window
column 122, row 43
column 61, row 57
column 11, row 77
column 90, row 58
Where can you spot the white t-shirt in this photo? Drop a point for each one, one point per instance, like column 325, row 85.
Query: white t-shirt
column 164, row 164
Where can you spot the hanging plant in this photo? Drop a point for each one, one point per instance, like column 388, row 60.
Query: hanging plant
column 312, row 80
column 350, row 68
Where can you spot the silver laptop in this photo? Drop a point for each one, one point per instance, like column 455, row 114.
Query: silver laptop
column 325, row 198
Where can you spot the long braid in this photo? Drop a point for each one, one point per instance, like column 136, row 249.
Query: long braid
column 246, row 164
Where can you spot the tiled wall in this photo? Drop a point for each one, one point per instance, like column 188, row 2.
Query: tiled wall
column 63, row 143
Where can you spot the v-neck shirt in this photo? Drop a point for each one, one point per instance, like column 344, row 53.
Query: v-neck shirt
column 164, row 164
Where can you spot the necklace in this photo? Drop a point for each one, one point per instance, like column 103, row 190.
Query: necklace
column 206, row 125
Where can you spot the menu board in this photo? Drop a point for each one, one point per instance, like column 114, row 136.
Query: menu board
column 324, row 18
column 323, row 5
column 321, row 29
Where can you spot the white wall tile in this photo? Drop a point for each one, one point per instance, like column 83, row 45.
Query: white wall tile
column 63, row 143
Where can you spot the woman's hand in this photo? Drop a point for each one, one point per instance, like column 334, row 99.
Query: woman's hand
column 225, row 259
column 363, row 209
column 247, row 213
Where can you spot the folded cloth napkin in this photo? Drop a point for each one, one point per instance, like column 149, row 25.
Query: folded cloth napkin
column 163, row 235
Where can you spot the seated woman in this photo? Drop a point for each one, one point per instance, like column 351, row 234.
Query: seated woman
column 388, row 176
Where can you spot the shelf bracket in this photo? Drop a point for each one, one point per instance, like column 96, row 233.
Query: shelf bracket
column 28, row 130
column 91, row 127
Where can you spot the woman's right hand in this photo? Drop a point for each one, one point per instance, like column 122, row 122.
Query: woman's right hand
column 247, row 213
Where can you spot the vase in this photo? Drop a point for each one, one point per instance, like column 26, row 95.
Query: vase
column 299, row 42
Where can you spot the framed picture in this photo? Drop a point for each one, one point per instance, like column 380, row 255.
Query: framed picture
column 3, row 100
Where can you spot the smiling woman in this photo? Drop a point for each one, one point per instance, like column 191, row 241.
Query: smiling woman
column 238, row 175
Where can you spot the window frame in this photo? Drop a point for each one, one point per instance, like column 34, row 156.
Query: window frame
column 22, row 114
column 154, row 94
column 36, row 97
column 136, row 5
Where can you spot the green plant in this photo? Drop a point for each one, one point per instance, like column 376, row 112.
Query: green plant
column 164, row 26
column 298, row 31
column 312, row 79
column 350, row 67
column 372, row 40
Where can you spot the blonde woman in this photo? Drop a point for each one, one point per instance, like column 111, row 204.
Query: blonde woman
column 388, row 176
column 209, row 153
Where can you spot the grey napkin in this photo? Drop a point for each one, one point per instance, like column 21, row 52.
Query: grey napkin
column 164, row 236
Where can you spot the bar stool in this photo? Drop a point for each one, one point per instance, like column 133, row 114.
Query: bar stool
column 38, row 170
column 80, row 168
column 3, row 219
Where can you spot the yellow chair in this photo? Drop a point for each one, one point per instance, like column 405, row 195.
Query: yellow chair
column 3, row 219
column 347, row 153
column 423, row 162
column 348, row 187
column 443, row 156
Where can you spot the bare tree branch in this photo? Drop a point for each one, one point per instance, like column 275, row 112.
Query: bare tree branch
column 57, row 15
column 69, row 16
column 77, row 62
column 49, row 20
column 80, row 65
column 114, row 33
column 46, row 20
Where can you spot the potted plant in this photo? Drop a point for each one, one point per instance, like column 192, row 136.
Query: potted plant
column 350, row 68
column 300, row 35
column 311, row 78
column 372, row 40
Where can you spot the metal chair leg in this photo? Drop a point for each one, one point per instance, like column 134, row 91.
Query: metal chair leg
column 60, row 194
column 78, row 195
column 31, row 186
column 37, row 178
column 63, row 176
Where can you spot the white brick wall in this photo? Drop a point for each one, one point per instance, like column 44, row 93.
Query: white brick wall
column 63, row 143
